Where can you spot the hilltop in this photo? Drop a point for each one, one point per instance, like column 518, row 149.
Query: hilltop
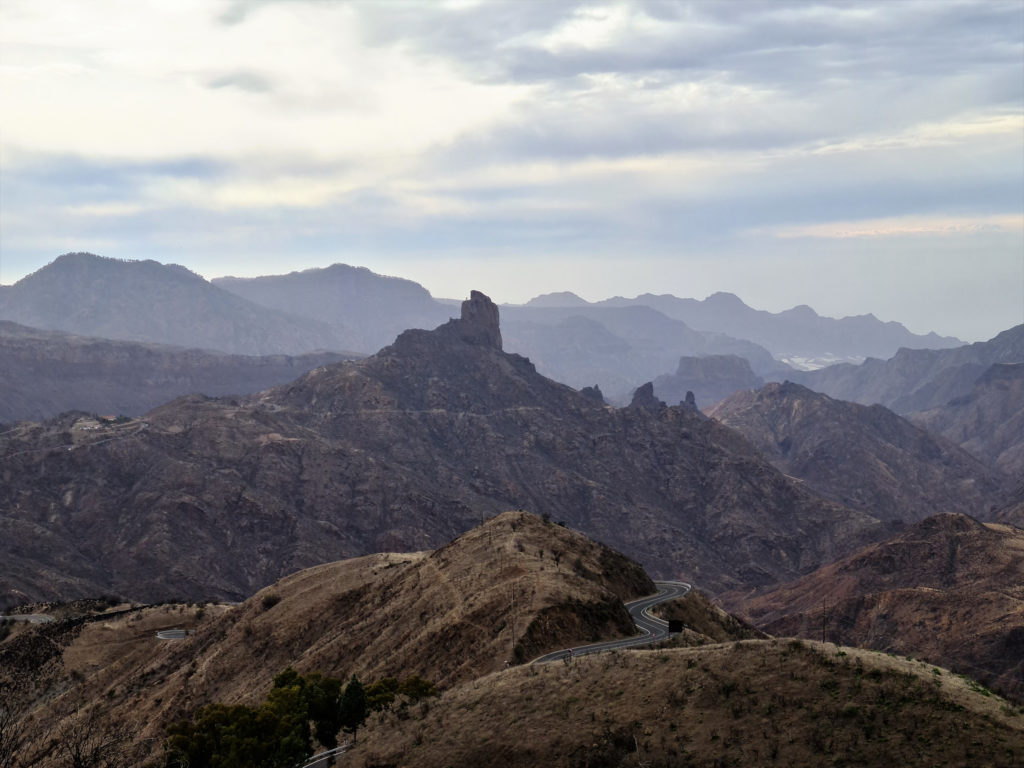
column 755, row 702
column 505, row 592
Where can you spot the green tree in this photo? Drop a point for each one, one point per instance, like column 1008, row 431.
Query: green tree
column 353, row 707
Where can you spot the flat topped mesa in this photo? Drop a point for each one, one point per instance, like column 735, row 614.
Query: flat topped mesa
column 479, row 324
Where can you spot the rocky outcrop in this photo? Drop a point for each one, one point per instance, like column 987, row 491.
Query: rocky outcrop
column 479, row 321
column 644, row 399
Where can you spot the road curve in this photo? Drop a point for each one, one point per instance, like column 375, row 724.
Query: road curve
column 652, row 629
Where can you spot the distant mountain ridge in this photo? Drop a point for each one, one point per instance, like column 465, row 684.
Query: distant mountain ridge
column 916, row 379
column 794, row 335
column 988, row 421
column 147, row 301
column 368, row 309
column 44, row 373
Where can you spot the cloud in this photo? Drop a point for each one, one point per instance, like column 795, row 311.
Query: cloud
column 404, row 130
column 253, row 82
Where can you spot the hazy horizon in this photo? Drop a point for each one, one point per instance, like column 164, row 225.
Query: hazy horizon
column 856, row 158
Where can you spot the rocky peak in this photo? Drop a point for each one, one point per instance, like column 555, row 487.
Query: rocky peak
column 479, row 321
column 645, row 398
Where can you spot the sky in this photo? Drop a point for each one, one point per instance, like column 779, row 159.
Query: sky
column 853, row 156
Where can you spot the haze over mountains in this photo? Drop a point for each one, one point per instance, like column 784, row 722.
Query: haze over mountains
column 798, row 336
column 44, row 373
column 616, row 344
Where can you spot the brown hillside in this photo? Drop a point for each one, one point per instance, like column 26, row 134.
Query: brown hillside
column 510, row 589
column 756, row 703
column 949, row 589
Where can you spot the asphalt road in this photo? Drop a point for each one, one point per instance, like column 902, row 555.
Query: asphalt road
column 652, row 630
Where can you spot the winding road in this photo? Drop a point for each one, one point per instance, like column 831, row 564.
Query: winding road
column 652, row 629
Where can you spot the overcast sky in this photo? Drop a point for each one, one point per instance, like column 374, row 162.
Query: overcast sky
column 857, row 157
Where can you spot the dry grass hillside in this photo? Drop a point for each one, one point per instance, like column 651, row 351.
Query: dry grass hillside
column 750, row 703
column 508, row 590
column 949, row 589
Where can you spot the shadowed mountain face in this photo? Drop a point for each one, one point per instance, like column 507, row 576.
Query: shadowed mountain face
column 711, row 379
column 44, row 373
column 400, row 451
column 865, row 457
column 146, row 301
column 949, row 589
column 988, row 422
column 916, row 379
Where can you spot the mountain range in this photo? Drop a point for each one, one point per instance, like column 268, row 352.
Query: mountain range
column 797, row 336
column 166, row 304
column 209, row 498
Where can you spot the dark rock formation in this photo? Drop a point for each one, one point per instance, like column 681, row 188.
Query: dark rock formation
column 948, row 589
column 644, row 399
column 593, row 393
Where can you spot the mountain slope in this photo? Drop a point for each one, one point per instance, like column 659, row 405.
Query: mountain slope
column 367, row 309
column 146, row 301
column 400, row 451
column 916, row 379
column 44, row 373
column 865, row 457
column 949, row 589
column 988, row 422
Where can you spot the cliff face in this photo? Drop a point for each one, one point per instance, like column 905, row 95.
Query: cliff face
column 400, row 451
column 864, row 457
